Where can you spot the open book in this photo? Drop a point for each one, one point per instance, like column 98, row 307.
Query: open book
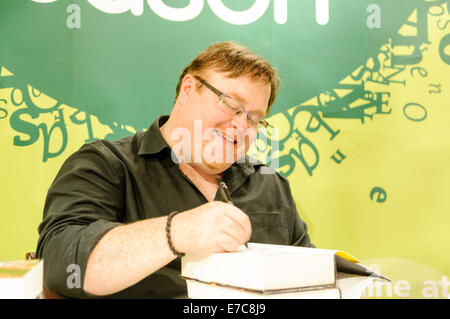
column 277, row 269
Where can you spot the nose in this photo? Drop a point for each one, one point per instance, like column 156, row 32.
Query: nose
column 240, row 121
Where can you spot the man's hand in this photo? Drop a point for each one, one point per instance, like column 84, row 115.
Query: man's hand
column 210, row 228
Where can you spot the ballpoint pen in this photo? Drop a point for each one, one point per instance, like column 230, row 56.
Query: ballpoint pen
column 225, row 194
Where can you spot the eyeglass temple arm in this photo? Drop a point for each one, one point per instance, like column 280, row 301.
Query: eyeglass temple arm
column 216, row 91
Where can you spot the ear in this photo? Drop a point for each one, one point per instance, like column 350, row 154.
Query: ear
column 188, row 86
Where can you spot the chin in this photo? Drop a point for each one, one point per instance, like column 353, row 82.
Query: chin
column 216, row 162
column 222, row 160
column 214, row 168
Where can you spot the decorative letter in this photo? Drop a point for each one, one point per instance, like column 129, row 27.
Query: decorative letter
column 241, row 17
column 444, row 48
column 74, row 20
column 119, row 6
column 336, row 159
column 431, row 289
column 280, row 11
column 381, row 198
column 74, row 279
column 415, row 119
column 322, row 12
column 191, row 11
column 374, row 19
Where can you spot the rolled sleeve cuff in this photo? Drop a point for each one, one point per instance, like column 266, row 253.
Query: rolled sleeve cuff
column 65, row 276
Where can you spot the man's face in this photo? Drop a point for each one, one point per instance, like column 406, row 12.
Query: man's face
column 219, row 139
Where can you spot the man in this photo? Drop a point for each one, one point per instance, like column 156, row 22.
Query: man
column 123, row 211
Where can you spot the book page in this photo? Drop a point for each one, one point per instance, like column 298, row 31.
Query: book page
column 276, row 250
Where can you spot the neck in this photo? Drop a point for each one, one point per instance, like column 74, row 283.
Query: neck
column 166, row 131
column 205, row 181
column 196, row 173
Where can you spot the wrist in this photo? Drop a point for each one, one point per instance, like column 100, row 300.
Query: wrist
column 170, row 235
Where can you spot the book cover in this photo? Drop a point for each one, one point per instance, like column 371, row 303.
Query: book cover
column 348, row 286
column 202, row 290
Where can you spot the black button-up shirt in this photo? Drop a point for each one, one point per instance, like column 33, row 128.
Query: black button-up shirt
column 106, row 184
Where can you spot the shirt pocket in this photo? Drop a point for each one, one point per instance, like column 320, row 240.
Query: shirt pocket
column 269, row 228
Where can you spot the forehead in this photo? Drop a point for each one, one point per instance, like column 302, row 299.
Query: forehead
column 253, row 94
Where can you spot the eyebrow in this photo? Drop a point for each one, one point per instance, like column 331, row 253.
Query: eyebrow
column 237, row 97
column 241, row 100
column 232, row 95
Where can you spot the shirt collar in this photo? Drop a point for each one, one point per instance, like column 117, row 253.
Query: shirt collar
column 153, row 141
column 237, row 173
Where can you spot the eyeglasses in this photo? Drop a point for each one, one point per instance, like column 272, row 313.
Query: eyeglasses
column 235, row 108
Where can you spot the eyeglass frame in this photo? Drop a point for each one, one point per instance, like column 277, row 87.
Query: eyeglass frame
column 221, row 95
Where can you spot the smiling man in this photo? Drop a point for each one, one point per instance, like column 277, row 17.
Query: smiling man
column 125, row 211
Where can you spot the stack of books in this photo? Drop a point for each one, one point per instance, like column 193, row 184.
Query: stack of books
column 21, row 279
column 276, row 271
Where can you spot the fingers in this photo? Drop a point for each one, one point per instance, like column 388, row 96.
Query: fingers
column 231, row 231
column 212, row 227
column 240, row 226
column 227, row 243
column 234, row 229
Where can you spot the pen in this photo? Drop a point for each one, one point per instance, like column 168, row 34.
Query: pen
column 223, row 191
column 225, row 194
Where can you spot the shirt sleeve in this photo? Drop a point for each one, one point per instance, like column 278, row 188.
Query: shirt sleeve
column 300, row 236
column 83, row 203
column 298, row 228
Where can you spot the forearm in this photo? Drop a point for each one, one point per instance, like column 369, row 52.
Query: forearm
column 127, row 254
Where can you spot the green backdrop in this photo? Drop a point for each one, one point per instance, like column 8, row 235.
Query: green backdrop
column 362, row 113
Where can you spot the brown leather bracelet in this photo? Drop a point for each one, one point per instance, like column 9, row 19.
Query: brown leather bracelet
column 169, row 240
